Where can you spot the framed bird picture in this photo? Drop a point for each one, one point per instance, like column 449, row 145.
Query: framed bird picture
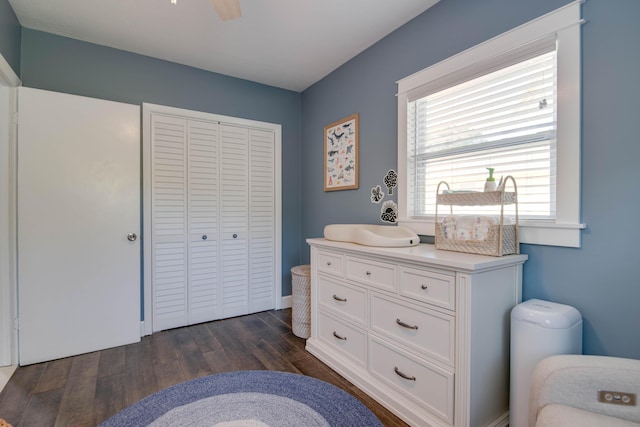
column 341, row 154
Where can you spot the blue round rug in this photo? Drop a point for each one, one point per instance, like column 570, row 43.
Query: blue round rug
column 248, row 399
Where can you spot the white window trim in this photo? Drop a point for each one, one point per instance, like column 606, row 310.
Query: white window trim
column 564, row 24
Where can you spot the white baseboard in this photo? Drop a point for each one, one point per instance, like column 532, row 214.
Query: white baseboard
column 286, row 302
column 143, row 330
column 5, row 374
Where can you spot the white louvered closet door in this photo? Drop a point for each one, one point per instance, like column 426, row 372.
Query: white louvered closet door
column 262, row 220
column 235, row 219
column 185, row 222
column 203, row 194
column 213, row 212
column 169, row 222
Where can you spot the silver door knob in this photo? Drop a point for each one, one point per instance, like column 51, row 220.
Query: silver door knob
column 132, row 237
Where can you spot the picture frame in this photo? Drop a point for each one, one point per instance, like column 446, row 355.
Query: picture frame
column 341, row 167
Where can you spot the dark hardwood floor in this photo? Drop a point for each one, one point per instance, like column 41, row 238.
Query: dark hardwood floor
column 87, row 389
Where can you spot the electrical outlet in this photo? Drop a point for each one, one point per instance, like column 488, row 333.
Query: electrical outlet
column 617, row 397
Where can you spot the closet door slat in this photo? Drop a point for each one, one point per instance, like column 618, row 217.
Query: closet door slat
column 169, row 222
column 262, row 219
column 204, row 296
column 235, row 219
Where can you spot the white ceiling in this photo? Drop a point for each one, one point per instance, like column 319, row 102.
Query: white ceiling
column 289, row 44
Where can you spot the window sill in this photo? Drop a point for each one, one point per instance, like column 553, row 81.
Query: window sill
column 531, row 232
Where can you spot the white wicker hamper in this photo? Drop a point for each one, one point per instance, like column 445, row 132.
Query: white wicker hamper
column 301, row 301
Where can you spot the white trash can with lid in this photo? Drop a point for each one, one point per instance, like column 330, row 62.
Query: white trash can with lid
column 539, row 329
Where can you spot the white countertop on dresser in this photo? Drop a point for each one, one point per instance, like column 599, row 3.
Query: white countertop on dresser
column 426, row 254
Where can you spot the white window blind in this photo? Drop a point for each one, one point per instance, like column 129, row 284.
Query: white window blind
column 504, row 119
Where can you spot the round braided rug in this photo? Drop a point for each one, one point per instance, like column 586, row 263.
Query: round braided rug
column 248, row 399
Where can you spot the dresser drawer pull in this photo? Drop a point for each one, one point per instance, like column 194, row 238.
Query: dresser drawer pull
column 368, row 273
column 424, row 287
column 339, row 337
column 329, row 263
column 403, row 375
column 337, row 298
column 405, row 325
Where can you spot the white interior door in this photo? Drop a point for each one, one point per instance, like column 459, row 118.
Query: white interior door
column 78, row 200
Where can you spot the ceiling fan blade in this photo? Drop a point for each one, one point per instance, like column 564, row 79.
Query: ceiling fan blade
column 227, row 9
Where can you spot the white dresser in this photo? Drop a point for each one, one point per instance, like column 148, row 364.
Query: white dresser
column 424, row 332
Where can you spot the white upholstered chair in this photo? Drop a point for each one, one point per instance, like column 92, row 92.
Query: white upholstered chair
column 565, row 391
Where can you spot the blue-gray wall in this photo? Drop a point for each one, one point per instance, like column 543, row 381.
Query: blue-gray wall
column 599, row 279
column 9, row 36
column 65, row 65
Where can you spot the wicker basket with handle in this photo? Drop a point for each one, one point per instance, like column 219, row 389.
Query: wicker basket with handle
column 503, row 239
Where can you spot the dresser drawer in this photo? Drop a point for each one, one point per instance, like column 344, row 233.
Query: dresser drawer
column 379, row 274
column 349, row 340
column 425, row 330
column 428, row 385
column 350, row 301
column 428, row 286
column 329, row 262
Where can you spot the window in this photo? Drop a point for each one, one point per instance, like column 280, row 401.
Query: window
column 496, row 105
column 504, row 119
